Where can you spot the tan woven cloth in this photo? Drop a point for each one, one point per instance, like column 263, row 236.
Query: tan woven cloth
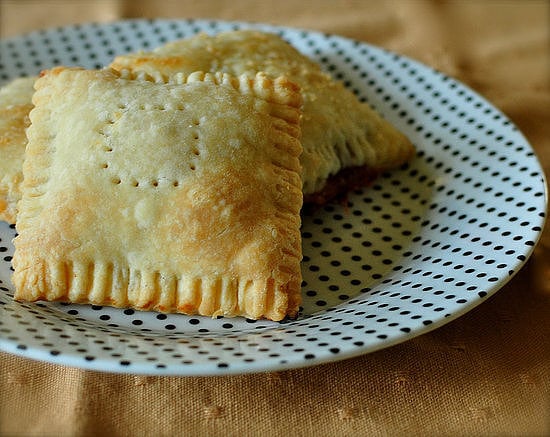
column 487, row 373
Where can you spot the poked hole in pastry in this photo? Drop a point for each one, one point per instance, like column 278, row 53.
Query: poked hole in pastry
column 155, row 183
column 135, row 183
column 152, row 107
column 103, row 132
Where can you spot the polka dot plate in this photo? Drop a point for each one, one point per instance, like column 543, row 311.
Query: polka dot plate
column 422, row 246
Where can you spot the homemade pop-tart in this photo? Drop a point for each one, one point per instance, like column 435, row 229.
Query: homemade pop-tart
column 15, row 105
column 346, row 143
column 178, row 196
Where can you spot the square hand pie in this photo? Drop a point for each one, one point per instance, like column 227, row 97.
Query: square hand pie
column 15, row 105
column 179, row 196
column 338, row 131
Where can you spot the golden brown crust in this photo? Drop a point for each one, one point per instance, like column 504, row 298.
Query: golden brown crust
column 15, row 105
column 181, row 196
column 338, row 131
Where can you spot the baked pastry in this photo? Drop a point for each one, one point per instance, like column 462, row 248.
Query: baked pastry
column 177, row 196
column 345, row 141
column 15, row 105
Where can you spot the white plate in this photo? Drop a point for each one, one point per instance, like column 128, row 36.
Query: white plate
column 422, row 246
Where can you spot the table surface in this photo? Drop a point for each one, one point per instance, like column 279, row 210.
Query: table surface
column 486, row 373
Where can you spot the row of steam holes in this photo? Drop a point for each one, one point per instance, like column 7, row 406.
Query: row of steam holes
column 153, row 183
